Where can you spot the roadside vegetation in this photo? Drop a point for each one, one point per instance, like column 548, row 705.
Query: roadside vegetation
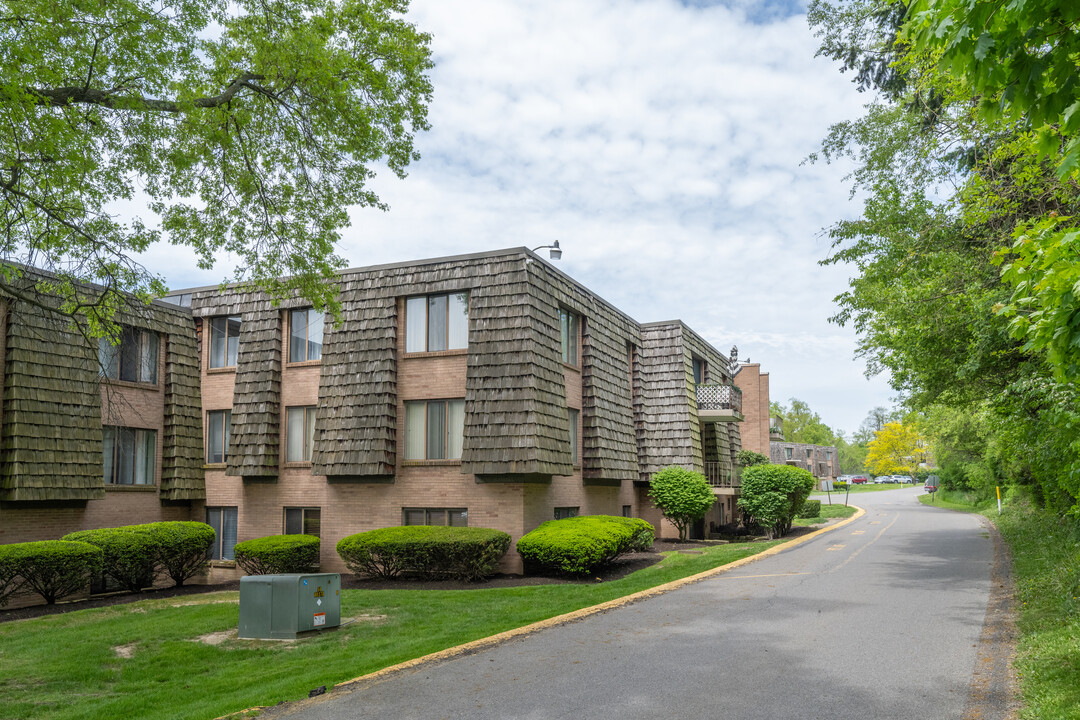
column 133, row 660
column 828, row 512
column 1046, row 569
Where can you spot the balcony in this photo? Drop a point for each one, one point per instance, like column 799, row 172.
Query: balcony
column 722, row 477
column 719, row 403
column 776, row 428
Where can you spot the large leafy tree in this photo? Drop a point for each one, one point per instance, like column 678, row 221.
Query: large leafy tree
column 896, row 448
column 247, row 127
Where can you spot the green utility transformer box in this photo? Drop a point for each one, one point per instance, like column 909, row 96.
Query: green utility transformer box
column 277, row 607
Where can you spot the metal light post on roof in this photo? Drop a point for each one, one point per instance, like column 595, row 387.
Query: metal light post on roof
column 555, row 253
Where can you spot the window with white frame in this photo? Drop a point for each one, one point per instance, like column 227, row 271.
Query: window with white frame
column 224, row 341
column 305, row 335
column 437, row 322
column 223, row 520
column 570, row 332
column 302, row 521
column 434, row 429
column 217, row 435
column 575, row 452
column 133, row 359
column 299, row 433
column 561, row 513
column 129, row 455
column 453, row 517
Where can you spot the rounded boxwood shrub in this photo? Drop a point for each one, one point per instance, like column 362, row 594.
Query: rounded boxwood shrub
column 426, row 551
column 277, row 554
column 579, row 545
column 51, row 568
column 811, row 509
column 180, row 547
column 130, row 554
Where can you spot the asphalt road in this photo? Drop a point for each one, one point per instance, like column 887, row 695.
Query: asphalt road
column 883, row 618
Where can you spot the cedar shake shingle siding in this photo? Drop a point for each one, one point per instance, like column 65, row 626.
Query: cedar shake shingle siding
column 670, row 437
column 609, row 448
column 256, row 411
column 51, row 435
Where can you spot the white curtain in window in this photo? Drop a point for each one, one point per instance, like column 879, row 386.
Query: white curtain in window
column 109, row 358
column 436, row 339
column 458, row 321
column 416, row 324
column 228, row 533
column 309, row 435
column 144, row 457
column 108, row 447
column 294, row 435
column 455, row 428
column 148, row 357
column 436, row 430
column 414, row 430
column 125, row 456
column 315, row 335
column 215, row 449
column 298, row 334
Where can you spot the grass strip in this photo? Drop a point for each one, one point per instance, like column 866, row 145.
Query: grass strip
column 145, row 659
column 827, row 512
column 1046, row 570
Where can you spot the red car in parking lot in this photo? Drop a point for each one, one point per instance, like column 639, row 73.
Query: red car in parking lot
column 859, row 480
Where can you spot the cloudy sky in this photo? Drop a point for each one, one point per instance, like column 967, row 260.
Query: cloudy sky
column 661, row 142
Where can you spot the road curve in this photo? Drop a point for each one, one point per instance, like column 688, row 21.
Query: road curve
column 883, row 618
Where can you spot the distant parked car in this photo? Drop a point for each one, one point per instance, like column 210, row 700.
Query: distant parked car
column 930, row 486
column 859, row 479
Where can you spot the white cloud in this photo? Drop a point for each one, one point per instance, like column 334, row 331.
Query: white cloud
column 661, row 144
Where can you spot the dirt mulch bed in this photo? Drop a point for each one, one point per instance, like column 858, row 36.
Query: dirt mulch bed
column 618, row 569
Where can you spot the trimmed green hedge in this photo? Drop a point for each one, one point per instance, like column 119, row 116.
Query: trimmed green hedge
column 180, row 547
column 811, row 509
column 579, row 545
column 430, row 552
column 51, row 568
column 276, row 554
column 130, row 554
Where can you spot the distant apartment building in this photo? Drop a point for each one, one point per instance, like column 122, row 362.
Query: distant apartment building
column 822, row 461
column 757, row 429
column 488, row 390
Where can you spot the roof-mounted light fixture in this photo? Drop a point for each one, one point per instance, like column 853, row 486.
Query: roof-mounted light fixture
column 555, row 253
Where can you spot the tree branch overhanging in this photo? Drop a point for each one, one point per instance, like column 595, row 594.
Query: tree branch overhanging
column 62, row 96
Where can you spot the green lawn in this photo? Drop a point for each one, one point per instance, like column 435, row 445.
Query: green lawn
column 1046, row 569
column 856, row 489
column 827, row 511
column 69, row 666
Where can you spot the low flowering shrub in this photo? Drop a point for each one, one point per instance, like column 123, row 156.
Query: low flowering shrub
column 276, row 554
column 130, row 555
column 579, row 545
column 811, row 509
column 51, row 568
column 430, row 552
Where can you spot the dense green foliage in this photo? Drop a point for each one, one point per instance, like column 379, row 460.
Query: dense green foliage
column 180, row 547
column 53, row 569
column 277, row 554
column 965, row 292
column 245, row 128
column 749, row 458
column 129, row 554
column 433, row 552
column 579, row 545
column 772, row 495
column 811, row 509
column 684, row 496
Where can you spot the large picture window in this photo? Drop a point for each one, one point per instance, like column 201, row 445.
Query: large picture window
column 217, row 435
column 454, row 517
column 129, row 455
column 299, row 433
column 303, row 521
column 437, row 322
column 223, row 520
column 570, row 331
column 305, row 335
column 134, row 359
column 434, row 429
column 224, row 341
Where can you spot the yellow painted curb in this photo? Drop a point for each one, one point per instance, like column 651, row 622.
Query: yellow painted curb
column 502, row 637
column 593, row 609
